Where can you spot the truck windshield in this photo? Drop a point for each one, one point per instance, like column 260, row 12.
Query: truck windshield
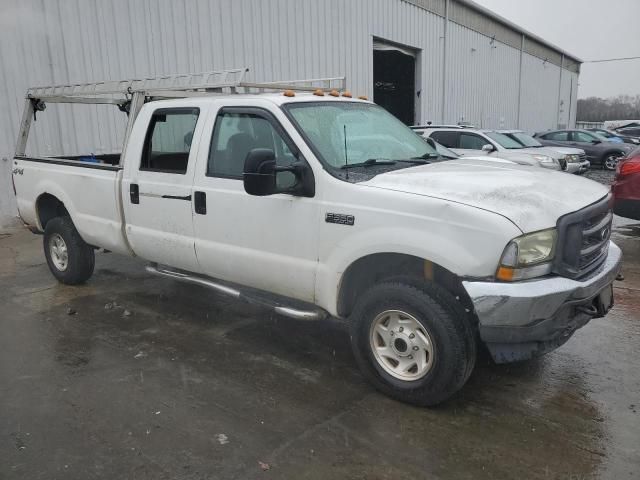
column 353, row 133
column 503, row 140
column 526, row 140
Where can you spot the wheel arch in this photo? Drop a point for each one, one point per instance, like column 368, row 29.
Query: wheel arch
column 49, row 206
column 374, row 268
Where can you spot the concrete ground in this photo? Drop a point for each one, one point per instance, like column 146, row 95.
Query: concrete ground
column 133, row 376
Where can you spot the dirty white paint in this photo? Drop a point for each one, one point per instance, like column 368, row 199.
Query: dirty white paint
column 222, row 439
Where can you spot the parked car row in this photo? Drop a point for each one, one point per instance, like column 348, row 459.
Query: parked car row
column 598, row 149
column 512, row 145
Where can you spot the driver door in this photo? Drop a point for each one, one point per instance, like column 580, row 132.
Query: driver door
column 268, row 242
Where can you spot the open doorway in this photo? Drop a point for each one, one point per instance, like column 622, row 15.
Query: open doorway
column 394, row 80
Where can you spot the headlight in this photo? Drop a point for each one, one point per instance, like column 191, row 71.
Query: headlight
column 544, row 159
column 572, row 158
column 528, row 256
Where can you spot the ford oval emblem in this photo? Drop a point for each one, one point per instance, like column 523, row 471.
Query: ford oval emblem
column 604, row 233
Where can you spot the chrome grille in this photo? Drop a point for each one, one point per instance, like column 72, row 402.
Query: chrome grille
column 583, row 239
column 583, row 157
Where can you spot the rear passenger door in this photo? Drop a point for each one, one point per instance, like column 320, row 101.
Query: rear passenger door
column 157, row 188
column 270, row 242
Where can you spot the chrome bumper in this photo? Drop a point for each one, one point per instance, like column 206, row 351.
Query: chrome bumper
column 523, row 319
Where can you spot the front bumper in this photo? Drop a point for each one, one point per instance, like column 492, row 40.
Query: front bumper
column 578, row 167
column 521, row 320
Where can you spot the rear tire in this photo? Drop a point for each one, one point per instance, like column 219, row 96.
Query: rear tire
column 69, row 257
column 414, row 343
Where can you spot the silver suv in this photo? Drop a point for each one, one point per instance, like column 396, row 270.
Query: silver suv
column 474, row 142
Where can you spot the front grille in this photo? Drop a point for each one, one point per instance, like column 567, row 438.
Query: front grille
column 583, row 239
column 583, row 157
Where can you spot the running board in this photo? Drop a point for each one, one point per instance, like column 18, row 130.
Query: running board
column 244, row 294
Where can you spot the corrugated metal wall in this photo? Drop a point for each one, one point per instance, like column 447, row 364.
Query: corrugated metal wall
column 59, row 41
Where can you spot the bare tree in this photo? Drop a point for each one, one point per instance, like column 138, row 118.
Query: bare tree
column 622, row 107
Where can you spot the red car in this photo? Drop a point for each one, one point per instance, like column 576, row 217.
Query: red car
column 626, row 187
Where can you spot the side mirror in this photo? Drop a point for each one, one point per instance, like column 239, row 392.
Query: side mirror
column 488, row 148
column 260, row 172
column 260, row 175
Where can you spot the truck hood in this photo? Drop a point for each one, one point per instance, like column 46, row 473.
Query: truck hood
column 532, row 198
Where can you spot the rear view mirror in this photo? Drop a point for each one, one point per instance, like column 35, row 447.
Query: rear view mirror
column 260, row 172
column 488, row 148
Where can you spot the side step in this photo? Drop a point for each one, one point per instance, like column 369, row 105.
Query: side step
column 253, row 296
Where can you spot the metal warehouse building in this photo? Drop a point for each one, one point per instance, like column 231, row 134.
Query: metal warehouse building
column 425, row 60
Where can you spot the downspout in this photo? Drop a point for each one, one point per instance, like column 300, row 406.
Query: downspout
column 520, row 80
column 560, row 91
column 444, row 63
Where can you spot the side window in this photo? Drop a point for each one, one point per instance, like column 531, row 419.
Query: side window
column 168, row 141
column 448, row 139
column 558, row 136
column 582, row 137
column 235, row 135
column 471, row 141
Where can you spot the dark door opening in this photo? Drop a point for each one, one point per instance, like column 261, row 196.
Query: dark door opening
column 394, row 83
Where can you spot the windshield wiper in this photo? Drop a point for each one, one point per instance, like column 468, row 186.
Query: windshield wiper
column 370, row 163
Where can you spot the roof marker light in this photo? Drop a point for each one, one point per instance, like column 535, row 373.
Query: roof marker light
column 289, row 93
column 363, row 97
column 347, row 94
column 334, row 93
column 319, row 92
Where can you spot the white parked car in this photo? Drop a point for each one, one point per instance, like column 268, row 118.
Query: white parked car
column 322, row 205
column 574, row 158
column 473, row 142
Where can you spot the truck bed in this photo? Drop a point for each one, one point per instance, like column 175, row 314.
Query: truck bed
column 89, row 191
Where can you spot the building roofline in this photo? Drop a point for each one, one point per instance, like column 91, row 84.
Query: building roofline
column 508, row 23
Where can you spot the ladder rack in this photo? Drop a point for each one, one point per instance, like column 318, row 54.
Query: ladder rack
column 131, row 95
column 172, row 86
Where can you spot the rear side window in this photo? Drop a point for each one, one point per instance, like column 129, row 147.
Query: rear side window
column 168, row 141
column 448, row 139
column 235, row 135
column 558, row 136
column 470, row 141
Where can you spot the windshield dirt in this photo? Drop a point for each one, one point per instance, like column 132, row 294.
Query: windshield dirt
column 354, row 136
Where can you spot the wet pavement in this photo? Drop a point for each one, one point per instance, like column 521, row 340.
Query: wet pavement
column 133, row 376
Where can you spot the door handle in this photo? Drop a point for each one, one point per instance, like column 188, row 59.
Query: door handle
column 200, row 202
column 134, row 193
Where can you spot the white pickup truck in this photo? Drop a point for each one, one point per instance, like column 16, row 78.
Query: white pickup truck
column 317, row 204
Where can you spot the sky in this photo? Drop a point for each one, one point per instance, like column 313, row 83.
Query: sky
column 590, row 30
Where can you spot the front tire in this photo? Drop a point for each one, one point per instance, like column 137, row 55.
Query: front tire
column 413, row 342
column 70, row 259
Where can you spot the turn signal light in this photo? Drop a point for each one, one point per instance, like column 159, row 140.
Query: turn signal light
column 505, row 274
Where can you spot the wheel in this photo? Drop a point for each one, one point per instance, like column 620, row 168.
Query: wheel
column 611, row 161
column 413, row 342
column 69, row 258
